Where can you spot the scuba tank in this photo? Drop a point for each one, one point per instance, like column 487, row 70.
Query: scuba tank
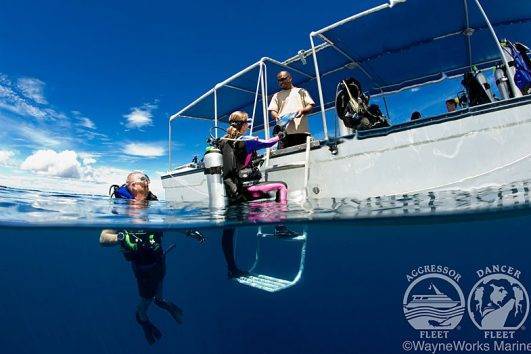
column 483, row 81
column 213, row 171
column 502, row 82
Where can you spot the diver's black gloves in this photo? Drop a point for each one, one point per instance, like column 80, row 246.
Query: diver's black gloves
column 281, row 135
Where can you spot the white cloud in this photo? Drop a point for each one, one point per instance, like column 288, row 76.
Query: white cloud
column 144, row 150
column 11, row 101
column 93, row 180
column 25, row 97
column 97, row 182
column 5, row 157
column 51, row 163
column 89, row 161
column 140, row 116
column 32, row 88
column 35, row 135
column 87, row 123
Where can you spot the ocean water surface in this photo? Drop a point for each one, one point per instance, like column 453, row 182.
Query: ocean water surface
column 392, row 274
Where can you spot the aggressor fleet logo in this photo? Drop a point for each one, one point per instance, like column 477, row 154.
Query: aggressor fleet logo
column 433, row 302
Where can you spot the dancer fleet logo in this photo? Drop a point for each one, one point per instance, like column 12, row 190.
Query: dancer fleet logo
column 433, row 303
column 498, row 303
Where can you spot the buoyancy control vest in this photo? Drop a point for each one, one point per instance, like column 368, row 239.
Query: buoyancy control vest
column 353, row 108
column 142, row 247
column 122, row 192
column 235, row 176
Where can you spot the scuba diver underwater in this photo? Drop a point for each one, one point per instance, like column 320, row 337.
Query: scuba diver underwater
column 143, row 248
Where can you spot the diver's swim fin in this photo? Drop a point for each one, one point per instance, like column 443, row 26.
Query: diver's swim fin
column 151, row 332
column 282, row 231
column 174, row 310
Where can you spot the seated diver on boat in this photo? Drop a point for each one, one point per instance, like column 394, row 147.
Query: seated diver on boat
column 240, row 177
column 143, row 248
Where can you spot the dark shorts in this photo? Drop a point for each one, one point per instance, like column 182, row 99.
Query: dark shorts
column 294, row 139
column 149, row 278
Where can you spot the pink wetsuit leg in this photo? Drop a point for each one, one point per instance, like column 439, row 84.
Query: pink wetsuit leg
column 280, row 188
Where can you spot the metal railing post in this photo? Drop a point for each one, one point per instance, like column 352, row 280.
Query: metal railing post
column 319, row 87
column 169, row 145
column 216, row 112
column 514, row 88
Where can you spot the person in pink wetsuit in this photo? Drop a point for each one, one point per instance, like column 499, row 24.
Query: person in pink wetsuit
column 238, row 156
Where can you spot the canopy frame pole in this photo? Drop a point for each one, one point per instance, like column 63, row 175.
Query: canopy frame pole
column 514, row 88
column 385, row 104
column 387, row 5
column 216, row 112
column 319, row 86
column 266, row 94
column 256, row 99
column 239, row 89
column 468, row 33
column 221, row 84
column 352, row 60
column 264, row 101
column 169, row 145
column 276, row 62
column 263, row 80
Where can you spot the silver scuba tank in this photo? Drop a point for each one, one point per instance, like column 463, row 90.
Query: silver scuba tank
column 214, row 175
column 483, row 81
column 502, row 82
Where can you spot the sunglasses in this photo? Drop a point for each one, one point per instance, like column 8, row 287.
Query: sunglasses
column 142, row 179
column 282, row 79
column 240, row 123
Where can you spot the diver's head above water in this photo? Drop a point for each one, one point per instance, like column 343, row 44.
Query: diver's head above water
column 138, row 185
column 136, row 188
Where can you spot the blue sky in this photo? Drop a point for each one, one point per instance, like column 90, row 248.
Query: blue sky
column 86, row 88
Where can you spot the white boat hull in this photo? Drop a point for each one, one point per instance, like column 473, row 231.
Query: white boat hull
column 464, row 151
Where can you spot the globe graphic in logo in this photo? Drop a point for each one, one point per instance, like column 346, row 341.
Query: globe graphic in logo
column 498, row 302
column 434, row 302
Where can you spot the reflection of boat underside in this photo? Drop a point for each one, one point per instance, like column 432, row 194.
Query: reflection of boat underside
column 488, row 146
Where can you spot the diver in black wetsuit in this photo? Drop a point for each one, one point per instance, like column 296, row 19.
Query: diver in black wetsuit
column 143, row 248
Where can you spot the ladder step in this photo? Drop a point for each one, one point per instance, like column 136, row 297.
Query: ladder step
column 264, row 282
column 284, row 238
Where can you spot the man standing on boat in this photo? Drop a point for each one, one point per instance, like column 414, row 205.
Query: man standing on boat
column 291, row 104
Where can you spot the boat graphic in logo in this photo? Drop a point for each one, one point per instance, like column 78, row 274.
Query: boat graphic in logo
column 434, row 302
column 498, row 302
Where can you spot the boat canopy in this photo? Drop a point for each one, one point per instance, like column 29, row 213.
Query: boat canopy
column 243, row 91
column 393, row 46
